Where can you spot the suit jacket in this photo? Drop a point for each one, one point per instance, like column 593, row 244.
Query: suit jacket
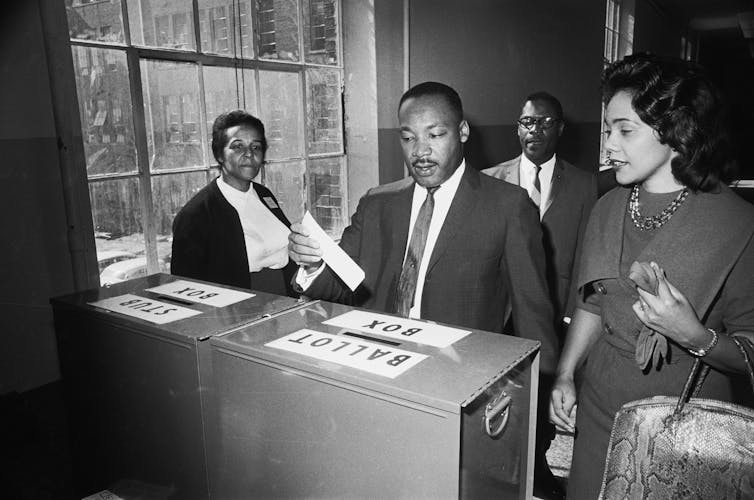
column 488, row 259
column 208, row 241
column 572, row 197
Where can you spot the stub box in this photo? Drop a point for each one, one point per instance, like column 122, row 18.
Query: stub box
column 136, row 368
column 329, row 401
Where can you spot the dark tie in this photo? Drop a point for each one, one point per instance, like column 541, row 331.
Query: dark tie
column 404, row 295
column 536, row 193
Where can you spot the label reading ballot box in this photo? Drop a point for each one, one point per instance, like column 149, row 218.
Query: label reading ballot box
column 200, row 293
column 150, row 310
column 360, row 354
column 420, row 332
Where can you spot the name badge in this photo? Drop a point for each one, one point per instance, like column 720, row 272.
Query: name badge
column 150, row 310
column 200, row 293
column 399, row 328
column 356, row 353
column 270, row 202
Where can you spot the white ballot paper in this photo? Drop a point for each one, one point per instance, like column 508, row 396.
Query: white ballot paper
column 333, row 255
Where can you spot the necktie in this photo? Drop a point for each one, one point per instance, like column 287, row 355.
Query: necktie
column 404, row 296
column 536, row 193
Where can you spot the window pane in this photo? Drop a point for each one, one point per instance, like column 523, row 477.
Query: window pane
column 321, row 31
column 324, row 129
column 171, row 108
column 225, row 27
column 159, row 23
column 102, row 21
column 105, row 108
column 116, row 213
column 281, row 112
column 277, row 29
column 286, row 181
column 169, row 194
column 226, row 89
column 327, row 193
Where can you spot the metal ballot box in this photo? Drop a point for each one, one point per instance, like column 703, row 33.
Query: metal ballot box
column 330, row 401
column 136, row 364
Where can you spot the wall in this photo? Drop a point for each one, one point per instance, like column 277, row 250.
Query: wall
column 389, row 27
column 36, row 262
column 494, row 53
column 655, row 31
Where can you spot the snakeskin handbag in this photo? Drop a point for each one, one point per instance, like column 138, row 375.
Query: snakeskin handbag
column 681, row 448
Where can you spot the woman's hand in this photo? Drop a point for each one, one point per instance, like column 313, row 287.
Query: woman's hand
column 304, row 250
column 670, row 313
column 563, row 404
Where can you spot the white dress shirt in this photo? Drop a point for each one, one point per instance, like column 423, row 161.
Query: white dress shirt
column 526, row 173
column 265, row 236
column 443, row 198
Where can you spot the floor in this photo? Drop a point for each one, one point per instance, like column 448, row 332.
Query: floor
column 34, row 443
column 36, row 455
column 559, row 456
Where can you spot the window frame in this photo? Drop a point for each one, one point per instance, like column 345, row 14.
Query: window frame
column 136, row 54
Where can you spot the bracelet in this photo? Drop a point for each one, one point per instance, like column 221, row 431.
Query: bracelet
column 700, row 353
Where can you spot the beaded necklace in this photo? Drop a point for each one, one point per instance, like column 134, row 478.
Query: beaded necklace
column 653, row 221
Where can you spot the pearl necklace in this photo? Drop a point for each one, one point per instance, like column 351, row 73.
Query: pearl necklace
column 653, row 221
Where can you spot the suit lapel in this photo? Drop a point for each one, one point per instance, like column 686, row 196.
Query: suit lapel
column 271, row 204
column 400, row 215
column 459, row 214
column 512, row 172
column 556, row 184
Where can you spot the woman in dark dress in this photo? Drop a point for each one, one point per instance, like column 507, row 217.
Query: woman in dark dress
column 233, row 231
column 665, row 274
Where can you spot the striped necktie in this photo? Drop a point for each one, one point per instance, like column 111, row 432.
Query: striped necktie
column 404, row 296
column 536, row 192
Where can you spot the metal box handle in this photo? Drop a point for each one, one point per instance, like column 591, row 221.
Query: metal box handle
column 497, row 409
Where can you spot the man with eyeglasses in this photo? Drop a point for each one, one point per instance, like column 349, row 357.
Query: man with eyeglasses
column 564, row 195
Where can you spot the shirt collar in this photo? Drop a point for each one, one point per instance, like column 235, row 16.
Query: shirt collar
column 527, row 164
column 233, row 195
column 450, row 185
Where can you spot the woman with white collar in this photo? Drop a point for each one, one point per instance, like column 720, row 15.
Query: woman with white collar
column 233, row 231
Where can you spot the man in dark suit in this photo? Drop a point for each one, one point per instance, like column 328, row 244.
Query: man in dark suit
column 565, row 198
column 564, row 195
column 483, row 257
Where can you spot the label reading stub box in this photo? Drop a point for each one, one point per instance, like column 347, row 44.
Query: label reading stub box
column 150, row 310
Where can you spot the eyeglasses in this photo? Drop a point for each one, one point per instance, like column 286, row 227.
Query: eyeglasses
column 543, row 122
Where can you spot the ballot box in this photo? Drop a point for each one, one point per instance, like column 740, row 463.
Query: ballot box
column 136, row 368
column 329, row 401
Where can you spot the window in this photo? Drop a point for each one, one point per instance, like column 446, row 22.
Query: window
column 619, row 42
column 147, row 99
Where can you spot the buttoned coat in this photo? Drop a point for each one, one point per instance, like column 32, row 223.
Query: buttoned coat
column 572, row 196
column 488, row 260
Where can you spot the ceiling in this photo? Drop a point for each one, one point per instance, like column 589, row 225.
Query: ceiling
column 727, row 26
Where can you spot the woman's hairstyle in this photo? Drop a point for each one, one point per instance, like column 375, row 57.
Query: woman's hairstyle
column 231, row 119
column 678, row 100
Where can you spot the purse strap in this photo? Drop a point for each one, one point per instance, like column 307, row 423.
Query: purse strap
column 690, row 389
column 699, row 372
column 746, row 346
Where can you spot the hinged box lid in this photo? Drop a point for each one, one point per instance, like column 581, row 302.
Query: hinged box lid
column 199, row 305
column 447, row 378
